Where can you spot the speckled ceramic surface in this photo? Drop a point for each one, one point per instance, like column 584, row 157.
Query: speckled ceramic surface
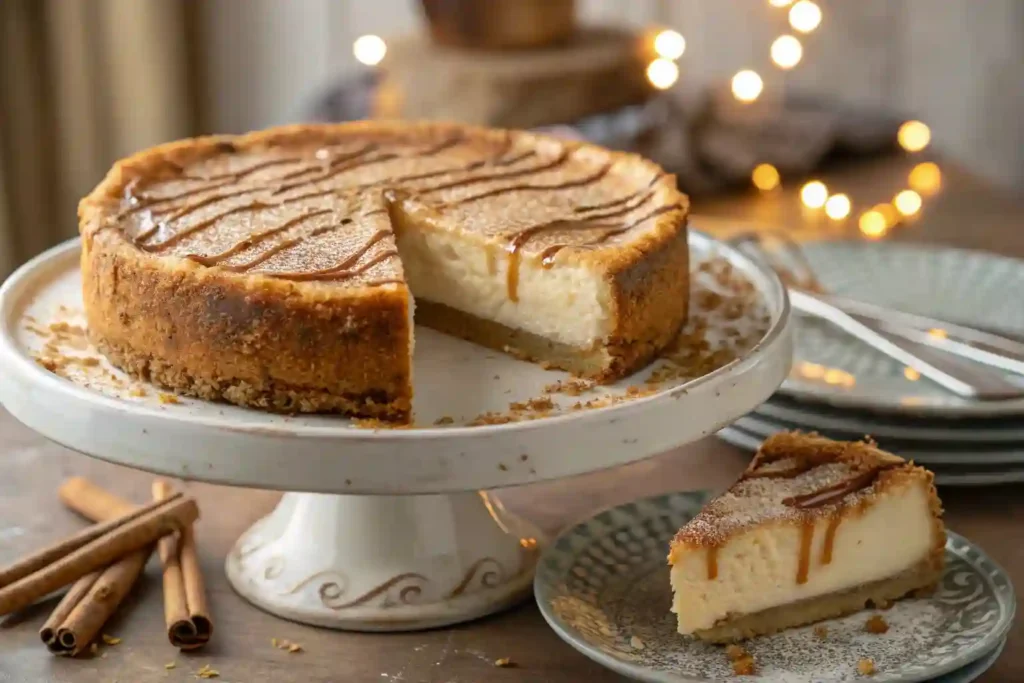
column 603, row 587
column 968, row 287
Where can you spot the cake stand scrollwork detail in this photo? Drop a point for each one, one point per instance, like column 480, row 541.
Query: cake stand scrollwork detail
column 403, row 589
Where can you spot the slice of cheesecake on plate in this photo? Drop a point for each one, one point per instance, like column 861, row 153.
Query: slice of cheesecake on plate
column 814, row 529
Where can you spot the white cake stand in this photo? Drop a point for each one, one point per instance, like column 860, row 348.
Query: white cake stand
column 393, row 529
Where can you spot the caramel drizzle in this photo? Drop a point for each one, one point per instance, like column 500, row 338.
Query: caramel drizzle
column 788, row 473
column 712, row 562
column 579, row 182
column 256, row 239
column 838, row 491
column 820, row 498
column 350, row 160
column 516, row 243
column 344, row 269
column 830, row 539
column 507, row 175
column 806, row 537
column 547, row 257
column 201, row 225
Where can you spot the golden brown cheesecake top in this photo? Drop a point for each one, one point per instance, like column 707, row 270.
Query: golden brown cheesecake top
column 311, row 202
column 796, row 477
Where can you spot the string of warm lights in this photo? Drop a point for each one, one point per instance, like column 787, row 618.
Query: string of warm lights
column 804, row 16
column 786, row 52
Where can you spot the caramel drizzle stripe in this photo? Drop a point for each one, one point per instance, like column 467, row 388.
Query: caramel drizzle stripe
column 358, row 159
column 830, row 538
column 333, row 171
column 338, row 165
column 513, row 160
column 344, row 269
column 788, row 473
column 330, row 274
column 838, row 491
column 712, row 562
column 579, row 182
column 277, row 249
column 254, row 240
column 806, row 538
column 607, row 205
column 335, row 160
column 198, row 227
column 464, row 182
column 548, row 255
column 245, row 172
column 657, row 176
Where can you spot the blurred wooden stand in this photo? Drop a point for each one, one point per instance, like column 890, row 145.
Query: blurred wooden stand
column 596, row 70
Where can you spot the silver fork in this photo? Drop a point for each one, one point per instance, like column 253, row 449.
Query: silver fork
column 942, row 352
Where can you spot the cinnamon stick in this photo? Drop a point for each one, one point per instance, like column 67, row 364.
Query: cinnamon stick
column 84, row 622
column 48, row 633
column 140, row 531
column 91, row 501
column 47, row 556
column 185, row 610
column 90, row 602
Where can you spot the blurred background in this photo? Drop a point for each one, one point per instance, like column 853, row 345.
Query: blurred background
column 732, row 95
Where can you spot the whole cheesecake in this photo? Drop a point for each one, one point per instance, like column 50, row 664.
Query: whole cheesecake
column 277, row 269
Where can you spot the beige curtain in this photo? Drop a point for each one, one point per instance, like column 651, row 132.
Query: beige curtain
column 82, row 83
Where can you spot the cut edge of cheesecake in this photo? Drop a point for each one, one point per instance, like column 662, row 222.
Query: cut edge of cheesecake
column 638, row 289
column 814, row 529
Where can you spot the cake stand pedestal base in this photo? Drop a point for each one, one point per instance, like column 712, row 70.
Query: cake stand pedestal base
column 385, row 563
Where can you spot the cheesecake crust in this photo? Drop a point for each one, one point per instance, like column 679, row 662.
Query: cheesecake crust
column 178, row 291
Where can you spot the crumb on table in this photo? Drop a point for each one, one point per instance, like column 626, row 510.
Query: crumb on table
column 876, row 624
column 821, row 632
column 866, row 667
column 504, row 663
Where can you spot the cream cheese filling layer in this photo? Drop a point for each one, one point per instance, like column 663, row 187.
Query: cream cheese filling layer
column 567, row 304
column 758, row 569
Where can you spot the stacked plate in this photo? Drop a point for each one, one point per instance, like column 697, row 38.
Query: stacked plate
column 846, row 390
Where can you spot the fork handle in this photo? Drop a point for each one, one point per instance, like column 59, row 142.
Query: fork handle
column 957, row 377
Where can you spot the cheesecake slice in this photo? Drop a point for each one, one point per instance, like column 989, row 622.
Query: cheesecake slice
column 280, row 269
column 814, row 529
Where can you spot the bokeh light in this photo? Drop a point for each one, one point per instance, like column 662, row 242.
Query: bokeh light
column 914, row 136
column 872, row 224
column 926, row 178
column 747, row 86
column 787, row 52
column 907, row 202
column 670, row 44
column 765, row 177
column 889, row 213
column 780, row 3
column 814, row 194
column 662, row 73
column 369, row 49
column 837, row 207
column 804, row 16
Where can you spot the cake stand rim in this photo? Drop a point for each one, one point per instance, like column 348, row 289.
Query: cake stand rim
column 773, row 348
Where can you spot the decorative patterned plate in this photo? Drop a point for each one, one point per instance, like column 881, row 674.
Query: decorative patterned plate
column 743, row 435
column 973, row 670
column 972, row 432
column 961, row 286
column 603, row 587
column 926, row 452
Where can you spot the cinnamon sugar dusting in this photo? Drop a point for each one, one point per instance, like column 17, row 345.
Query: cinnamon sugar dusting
column 803, row 466
column 315, row 205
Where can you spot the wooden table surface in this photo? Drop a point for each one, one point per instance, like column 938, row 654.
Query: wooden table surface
column 967, row 213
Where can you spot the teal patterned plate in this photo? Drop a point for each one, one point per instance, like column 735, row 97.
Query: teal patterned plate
column 603, row 587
